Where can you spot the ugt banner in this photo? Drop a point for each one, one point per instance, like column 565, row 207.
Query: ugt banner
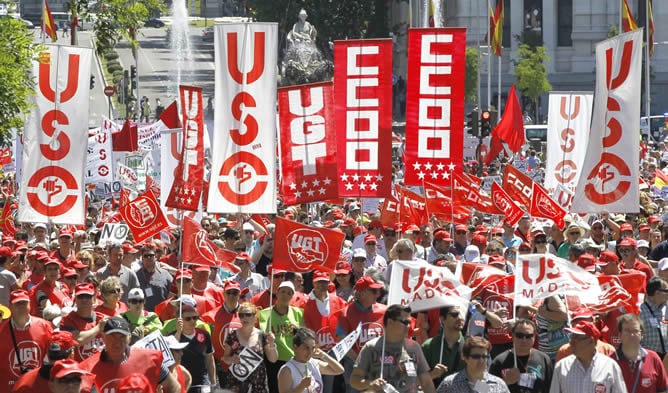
column 435, row 104
column 305, row 248
column 243, row 171
column 56, row 138
column 144, row 217
column 363, row 92
column 609, row 180
column 308, row 143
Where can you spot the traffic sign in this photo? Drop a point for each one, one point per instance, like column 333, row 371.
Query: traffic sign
column 109, row 91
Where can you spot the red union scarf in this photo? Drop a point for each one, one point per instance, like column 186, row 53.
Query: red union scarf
column 545, row 207
column 199, row 250
column 308, row 143
column 189, row 176
column 435, row 104
column 144, row 217
column 505, row 204
column 518, row 185
column 439, row 205
column 305, row 248
column 363, row 114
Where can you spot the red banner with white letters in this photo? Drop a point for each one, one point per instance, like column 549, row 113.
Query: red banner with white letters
column 434, row 104
column 243, row 169
column 189, row 175
column 144, row 217
column 505, row 205
column 545, row 207
column 308, row 143
column 55, row 138
column 518, row 185
column 305, row 248
column 403, row 208
column 440, row 206
column 363, row 104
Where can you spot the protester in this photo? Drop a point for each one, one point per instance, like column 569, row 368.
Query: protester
column 652, row 312
column 66, row 376
column 153, row 280
column 474, row 377
column 141, row 322
column 115, row 267
column 344, row 281
column 246, row 278
column 84, row 323
column 180, row 373
column 50, row 290
column 111, row 291
column 443, row 352
column 198, row 354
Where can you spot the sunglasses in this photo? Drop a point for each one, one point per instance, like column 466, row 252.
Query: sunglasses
column 280, row 275
column 69, row 381
column 461, row 232
column 117, row 290
column 540, row 241
column 389, row 234
column 371, row 244
column 246, row 314
column 232, row 293
column 454, row 314
column 136, row 301
column 625, row 250
column 573, row 233
column 85, row 297
column 478, row 356
column 342, row 275
column 188, row 319
column 149, row 255
column 405, row 322
column 524, row 335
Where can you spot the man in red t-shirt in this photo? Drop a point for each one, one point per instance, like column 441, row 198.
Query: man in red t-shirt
column 322, row 311
column 203, row 287
column 628, row 249
column 223, row 319
column 50, row 289
column 85, row 324
column 25, row 339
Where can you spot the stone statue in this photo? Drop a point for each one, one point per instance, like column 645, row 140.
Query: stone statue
column 302, row 31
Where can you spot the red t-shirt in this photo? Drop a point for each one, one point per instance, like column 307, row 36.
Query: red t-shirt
column 223, row 322
column 211, row 291
column 120, row 309
column 32, row 381
column 372, row 323
column 73, row 322
column 324, row 327
column 57, row 294
column 652, row 377
column 108, row 375
column 32, row 344
column 261, row 300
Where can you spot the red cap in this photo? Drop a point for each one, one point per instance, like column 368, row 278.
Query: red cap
column 129, row 249
column 644, row 227
column 367, row 282
column 320, row 276
column 135, row 383
column 412, row 228
column 19, row 295
column 84, row 288
column 52, row 261
column 43, row 256
column 627, row 242
column 581, row 312
column 8, row 240
column 349, row 222
column 337, row 214
column 201, row 268
column 375, row 224
column 69, row 272
column 587, row 262
column 653, row 218
column 497, row 231
column 62, row 341
column 231, row 284
column 496, row 259
column 370, row 238
column 625, row 227
column 481, row 228
column 65, row 367
column 342, row 267
column 79, row 265
column 585, row 328
column 244, row 256
column 64, row 232
column 442, row 235
column 524, row 247
column 607, row 257
column 461, row 227
column 185, row 274
column 5, row 252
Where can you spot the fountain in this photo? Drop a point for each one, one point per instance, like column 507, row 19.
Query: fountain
column 179, row 41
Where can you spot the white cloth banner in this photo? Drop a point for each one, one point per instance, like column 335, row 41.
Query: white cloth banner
column 99, row 165
column 156, row 341
column 609, row 180
column 344, row 346
column 149, row 135
column 422, row 286
column 243, row 170
column 568, row 123
column 538, row 276
column 56, row 138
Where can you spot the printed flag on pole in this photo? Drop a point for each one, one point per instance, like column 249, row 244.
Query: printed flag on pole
column 628, row 21
column 144, row 217
column 199, row 250
column 305, row 248
column 49, row 25
column 496, row 28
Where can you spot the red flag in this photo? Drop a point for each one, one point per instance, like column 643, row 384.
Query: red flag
column 495, row 148
column 126, row 139
column 628, row 21
column 7, row 219
column 199, row 250
column 479, row 276
column 511, row 127
column 308, row 136
column 505, row 204
column 188, row 182
column 305, row 248
column 48, row 24
column 404, row 207
column 170, row 116
column 153, row 186
column 124, row 198
column 5, row 156
column 261, row 219
column 144, row 217
column 518, row 185
column 440, row 205
column 545, row 207
column 466, row 192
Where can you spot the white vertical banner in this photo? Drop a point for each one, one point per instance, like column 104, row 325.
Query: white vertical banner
column 243, row 170
column 56, row 138
column 99, row 165
column 609, row 180
column 568, row 123
column 170, row 153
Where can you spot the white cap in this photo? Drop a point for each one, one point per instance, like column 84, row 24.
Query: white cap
column 663, row 264
column 173, row 343
column 287, row 284
column 39, row 225
column 642, row 243
column 187, row 300
column 248, row 227
column 136, row 293
column 359, row 253
column 472, row 254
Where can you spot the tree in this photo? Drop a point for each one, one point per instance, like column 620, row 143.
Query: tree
column 531, row 74
column 17, row 85
column 471, row 85
column 119, row 19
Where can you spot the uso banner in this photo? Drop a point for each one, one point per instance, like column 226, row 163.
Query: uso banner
column 363, row 103
column 99, row 167
column 568, row 123
column 434, row 104
column 609, row 180
column 56, row 138
column 243, row 171
column 308, row 143
column 424, row 286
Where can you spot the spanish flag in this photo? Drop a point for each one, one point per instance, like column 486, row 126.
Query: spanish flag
column 660, row 179
column 650, row 17
column 628, row 22
column 49, row 25
column 496, row 28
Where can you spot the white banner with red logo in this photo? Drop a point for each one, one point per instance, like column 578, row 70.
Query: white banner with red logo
column 305, row 248
column 568, row 121
column 144, row 217
column 609, row 180
column 423, row 286
column 363, row 102
column 307, row 143
column 99, row 167
column 538, row 276
column 56, row 138
column 244, row 147
column 434, row 104
column 186, row 190
column 170, row 152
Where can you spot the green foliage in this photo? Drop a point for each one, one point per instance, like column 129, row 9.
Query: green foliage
column 531, row 73
column 113, row 67
column 471, row 85
column 117, row 76
column 613, row 30
column 17, row 50
column 111, row 55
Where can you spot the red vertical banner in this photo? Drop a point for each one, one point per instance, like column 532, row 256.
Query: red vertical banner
column 308, row 143
column 435, row 104
column 363, row 104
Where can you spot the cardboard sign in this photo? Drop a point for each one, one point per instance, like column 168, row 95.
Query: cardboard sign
column 155, row 340
column 113, row 233
column 342, row 347
column 249, row 361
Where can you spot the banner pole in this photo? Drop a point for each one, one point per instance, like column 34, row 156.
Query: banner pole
column 180, row 256
column 271, row 297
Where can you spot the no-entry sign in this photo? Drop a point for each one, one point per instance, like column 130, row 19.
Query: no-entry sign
column 109, row 91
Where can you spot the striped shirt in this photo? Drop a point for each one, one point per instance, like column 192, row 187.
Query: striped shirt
column 652, row 317
column 602, row 376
